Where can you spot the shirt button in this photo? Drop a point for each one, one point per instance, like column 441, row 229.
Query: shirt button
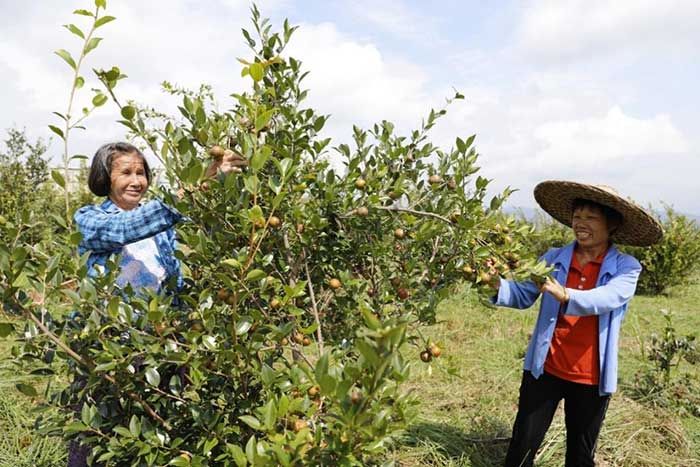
column 583, row 279
column 580, row 287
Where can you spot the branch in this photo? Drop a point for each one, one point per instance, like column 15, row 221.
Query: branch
column 413, row 211
column 314, row 307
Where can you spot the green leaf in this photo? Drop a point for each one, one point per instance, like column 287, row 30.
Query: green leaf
column 120, row 430
column 104, row 20
column 79, row 82
column 255, row 274
column 83, row 13
column 128, row 112
column 243, row 326
column 57, row 130
column 135, row 426
column 101, row 3
column 180, row 461
column 75, row 30
column 256, row 71
column 21, row 281
column 238, row 454
column 263, row 119
column 58, row 178
column 234, row 263
column 6, row 329
column 27, row 389
column 99, row 100
column 152, row 376
column 251, row 421
column 65, row 55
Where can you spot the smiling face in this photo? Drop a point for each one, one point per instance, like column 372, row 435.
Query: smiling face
column 128, row 181
column 590, row 227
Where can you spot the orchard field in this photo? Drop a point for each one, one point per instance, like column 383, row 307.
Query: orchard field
column 465, row 420
column 333, row 307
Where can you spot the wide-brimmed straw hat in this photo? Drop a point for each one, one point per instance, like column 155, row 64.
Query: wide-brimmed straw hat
column 638, row 227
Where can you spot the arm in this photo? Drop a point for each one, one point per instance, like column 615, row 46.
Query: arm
column 516, row 294
column 105, row 232
column 607, row 297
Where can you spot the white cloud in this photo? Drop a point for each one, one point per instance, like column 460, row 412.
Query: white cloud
column 567, row 29
column 597, row 141
column 356, row 83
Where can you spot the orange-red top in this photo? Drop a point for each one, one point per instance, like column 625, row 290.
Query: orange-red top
column 573, row 352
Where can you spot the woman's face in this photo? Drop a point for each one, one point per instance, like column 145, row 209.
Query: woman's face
column 590, row 227
column 128, row 181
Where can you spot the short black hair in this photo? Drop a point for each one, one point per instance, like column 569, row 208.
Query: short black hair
column 613, row 217
column 99, row 179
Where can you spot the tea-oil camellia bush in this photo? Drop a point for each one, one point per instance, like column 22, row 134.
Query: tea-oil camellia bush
column 305, row 285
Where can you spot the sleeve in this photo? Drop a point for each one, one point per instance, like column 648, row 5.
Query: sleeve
column 107, row 231
column 606, row 298
column 516, row 294
column 524, row 294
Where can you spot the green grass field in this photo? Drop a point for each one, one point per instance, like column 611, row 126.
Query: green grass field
column 465, row 420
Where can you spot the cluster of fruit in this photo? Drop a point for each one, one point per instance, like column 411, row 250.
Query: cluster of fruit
column 430, row 352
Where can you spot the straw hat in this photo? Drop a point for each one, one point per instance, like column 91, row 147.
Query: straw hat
column 638, row 228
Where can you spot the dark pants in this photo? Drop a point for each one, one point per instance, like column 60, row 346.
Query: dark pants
column 584, row 411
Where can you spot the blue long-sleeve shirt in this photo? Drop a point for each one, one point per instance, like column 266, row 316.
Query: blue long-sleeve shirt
column 106, row 229
column 614, row 289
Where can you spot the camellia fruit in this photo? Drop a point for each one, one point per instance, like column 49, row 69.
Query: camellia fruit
column 434, row 179
column 434, row 350
column 305, row 341
column 404, row 293
column 217, row 152
column 275, row 303
column 355, row 397
column 274, row 222
column 299, row 425
column 425, row 356
column 362, row 211
column 313, row 391
column 399, row 234
column 360, row 183
column 334, row 283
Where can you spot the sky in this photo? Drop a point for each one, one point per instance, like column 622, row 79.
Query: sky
column 592, row 91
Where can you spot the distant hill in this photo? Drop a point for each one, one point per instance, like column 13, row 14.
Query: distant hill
column 532, row 213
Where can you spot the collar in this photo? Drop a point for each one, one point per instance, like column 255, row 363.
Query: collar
column 562, row 260
column 109, row 206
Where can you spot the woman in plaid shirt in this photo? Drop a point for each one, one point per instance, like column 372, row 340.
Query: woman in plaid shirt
column 122, row 225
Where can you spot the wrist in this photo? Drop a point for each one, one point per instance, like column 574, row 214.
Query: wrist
column 566, row 296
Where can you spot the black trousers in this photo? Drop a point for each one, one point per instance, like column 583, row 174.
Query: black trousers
column 584, row 411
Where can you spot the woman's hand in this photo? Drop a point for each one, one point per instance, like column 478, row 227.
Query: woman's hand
column 230, row 162
column 557, row 290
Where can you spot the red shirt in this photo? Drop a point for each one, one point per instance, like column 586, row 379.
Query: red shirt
column 573, row 352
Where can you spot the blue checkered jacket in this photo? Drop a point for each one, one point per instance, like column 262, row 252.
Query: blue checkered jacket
column 106, row 229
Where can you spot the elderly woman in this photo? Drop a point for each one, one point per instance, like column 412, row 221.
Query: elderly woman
column 572, row 354
column 142, row 232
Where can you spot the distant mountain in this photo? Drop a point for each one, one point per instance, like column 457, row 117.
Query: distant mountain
column 533, row 213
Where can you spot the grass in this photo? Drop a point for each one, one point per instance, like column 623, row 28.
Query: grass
column 465, row 420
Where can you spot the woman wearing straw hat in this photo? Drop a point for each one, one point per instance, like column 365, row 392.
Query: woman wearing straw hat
column 572, row 354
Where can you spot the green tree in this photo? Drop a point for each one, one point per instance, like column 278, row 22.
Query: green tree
column 305, row 284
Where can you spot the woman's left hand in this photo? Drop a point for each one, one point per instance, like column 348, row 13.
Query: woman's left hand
column 230, row 162
column 557, row 290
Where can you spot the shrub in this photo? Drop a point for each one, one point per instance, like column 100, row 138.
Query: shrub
column 303, row 284
column 674, row 260
column 663, row 383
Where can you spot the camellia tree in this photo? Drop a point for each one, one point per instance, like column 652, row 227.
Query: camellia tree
column 305, row 287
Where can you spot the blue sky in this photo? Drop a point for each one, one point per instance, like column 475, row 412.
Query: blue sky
column 594, row 91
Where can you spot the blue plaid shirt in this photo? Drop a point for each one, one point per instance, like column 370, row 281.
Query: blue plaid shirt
column 106, row 229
